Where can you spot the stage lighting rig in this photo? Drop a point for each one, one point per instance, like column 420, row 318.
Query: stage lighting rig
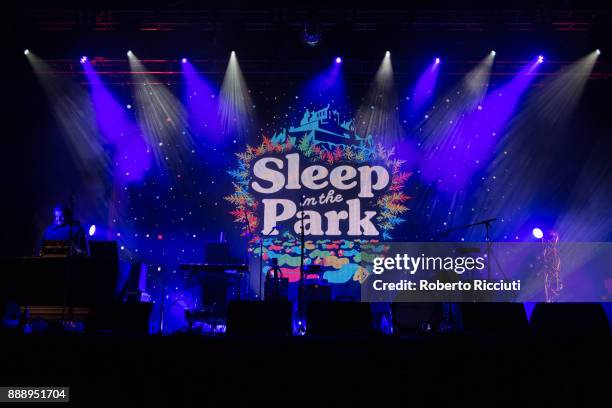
column 311, row 36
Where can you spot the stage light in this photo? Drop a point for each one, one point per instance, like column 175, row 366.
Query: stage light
column 326, row 85
column 92, row 230
column 311, row 38
column 553, row 103
column 236, row 109
column 598, row 51
column 162, row 118
column 378, row 113
column 537, row 233
column 463, row 152
column 441, row 139
column 184, row 60
column 540, row 59
column 130, row 160
column 26, row 51
column 423, row 91
column 83, row 59
column 70, row 104
column 493, row 52
column 201, row 104
column 129, row 53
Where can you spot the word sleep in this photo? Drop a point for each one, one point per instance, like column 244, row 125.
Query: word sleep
column 316, row 177
column 273, row 174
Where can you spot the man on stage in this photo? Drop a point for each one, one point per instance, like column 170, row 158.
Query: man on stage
column 64, row 228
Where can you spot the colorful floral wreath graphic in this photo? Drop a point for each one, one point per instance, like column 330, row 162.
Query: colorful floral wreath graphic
column 340, row 258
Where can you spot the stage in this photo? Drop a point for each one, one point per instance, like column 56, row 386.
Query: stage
column 334, row 203
column 183, row 370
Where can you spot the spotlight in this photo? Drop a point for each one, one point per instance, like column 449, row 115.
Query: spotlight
column 338, row 60
column 598, row 51
column 26, row 51
column 493, row 52
column 129, row 53
column 312, row 39
column 311, row 36
column 388, row 54
column 540, row 59
column 184, row 60
column 83, row 59
column 437, row 60
column 537, row 233
column 92, row 230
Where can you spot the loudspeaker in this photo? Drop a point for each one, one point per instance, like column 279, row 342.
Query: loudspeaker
column 416, row 317
column 336, row 318
column 131, row 317
column 494, row 318
column 255, row 318
column 570, row 319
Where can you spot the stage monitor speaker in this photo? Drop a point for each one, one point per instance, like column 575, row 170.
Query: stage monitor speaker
column 494, row 318
column 338, row 318
column 121, row 318
column 411, row 318
column 260, row 318
column 570, row 319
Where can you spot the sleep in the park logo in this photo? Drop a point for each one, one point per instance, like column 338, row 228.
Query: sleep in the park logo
column 345, row 189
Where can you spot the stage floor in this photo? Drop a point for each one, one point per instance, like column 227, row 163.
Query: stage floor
column 196, row 370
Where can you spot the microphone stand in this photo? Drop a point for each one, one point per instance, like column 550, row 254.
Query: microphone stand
column 69, row 260
column 246, row 255
column 302, row 325
column 162, row 313
column 261, row 267
column 261, row 274
column 489, row 251
column 487, row 224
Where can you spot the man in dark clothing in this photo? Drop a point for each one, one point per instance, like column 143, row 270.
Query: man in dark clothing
column 64, row 228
